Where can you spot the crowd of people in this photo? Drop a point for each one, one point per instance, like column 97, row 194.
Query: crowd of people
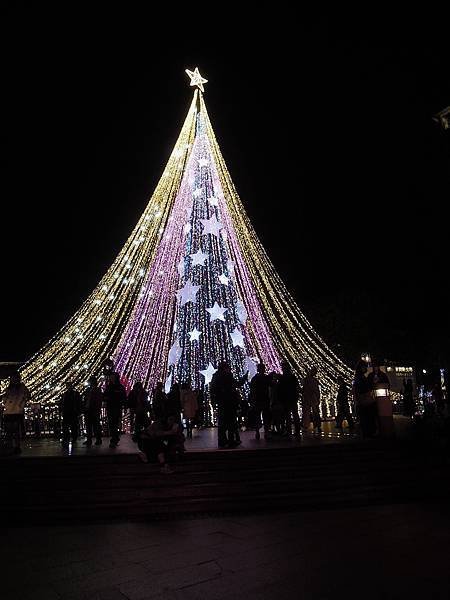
column 161, row 422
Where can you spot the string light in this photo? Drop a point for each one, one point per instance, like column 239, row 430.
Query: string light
column 198, row 288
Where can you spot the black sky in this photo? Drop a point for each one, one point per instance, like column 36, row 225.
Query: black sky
column 326, row 129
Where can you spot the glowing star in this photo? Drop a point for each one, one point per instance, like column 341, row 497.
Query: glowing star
column 241, row 312
column 251, row 366
column 180, row 267
column 230, row 266
column 187, row 228
column 203, row 162
column 194, row 335
column 211, row 226
column 217, row 312
column 188, row 293
column 208, row 373
column 223, row 279
column 197, row 192
column 213, row 201
column 174, row 354
column 238, row 338
column 198, row 258
column 196, row 79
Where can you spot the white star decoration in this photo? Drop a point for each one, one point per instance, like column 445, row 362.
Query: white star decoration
column 203, row 162
column 188, row 292
column 198, row 258
column 223, row 279
column 196, row 78
column 241, row 312
column 197, row 192
column 211, row 225
column 168, row 384
column 251, row 367
column 180, row 267
column 174, row 353
column 195, row 335
column 208, row 373
column 238, row 338
column 213, row 201
column 217, row 312
column 187, row 228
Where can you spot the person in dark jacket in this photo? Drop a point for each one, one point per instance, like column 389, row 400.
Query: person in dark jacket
column 364, row 401
column 173, row 403
column 159, row 399
column 115, row 397
column 377, row 378
column 70, row 409
column 260, row 399
column 311, row 401
column 138, row 405
column 408, row 398
column 225, row 397
column 92, row 406
column 343, row 406
column 288, row 392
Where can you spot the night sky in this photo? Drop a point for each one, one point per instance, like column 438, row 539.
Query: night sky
column 327, row 132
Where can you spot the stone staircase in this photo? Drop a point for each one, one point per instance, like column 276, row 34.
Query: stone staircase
column 82, row 488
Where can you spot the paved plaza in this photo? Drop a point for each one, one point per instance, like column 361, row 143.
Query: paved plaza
column 372, row 553
column 205, row 440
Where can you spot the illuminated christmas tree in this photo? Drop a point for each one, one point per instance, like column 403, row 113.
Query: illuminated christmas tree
column 191, row 287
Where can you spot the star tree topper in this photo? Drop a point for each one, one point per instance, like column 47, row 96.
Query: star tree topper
column 196, row 79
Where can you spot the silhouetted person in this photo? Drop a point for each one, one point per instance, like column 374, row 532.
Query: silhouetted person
column 108, row 372
column 225, row 397
column 189, row 406
column 377, row 378
column 276, row 408
column 175, row 438
column 92, row 405
column 138, row 404
column 115, row 398
column 365, row 401
column 343, row 405
column 151, row 443
column 311, row 400
column 158, row 402
column 408, row 397
column 14, row 400
column 288, row 392
column 173, row 403
column 70, row 408
column 260, row 399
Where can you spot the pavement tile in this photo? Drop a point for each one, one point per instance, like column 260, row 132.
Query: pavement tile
column 172, row 580
column 100, row 580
